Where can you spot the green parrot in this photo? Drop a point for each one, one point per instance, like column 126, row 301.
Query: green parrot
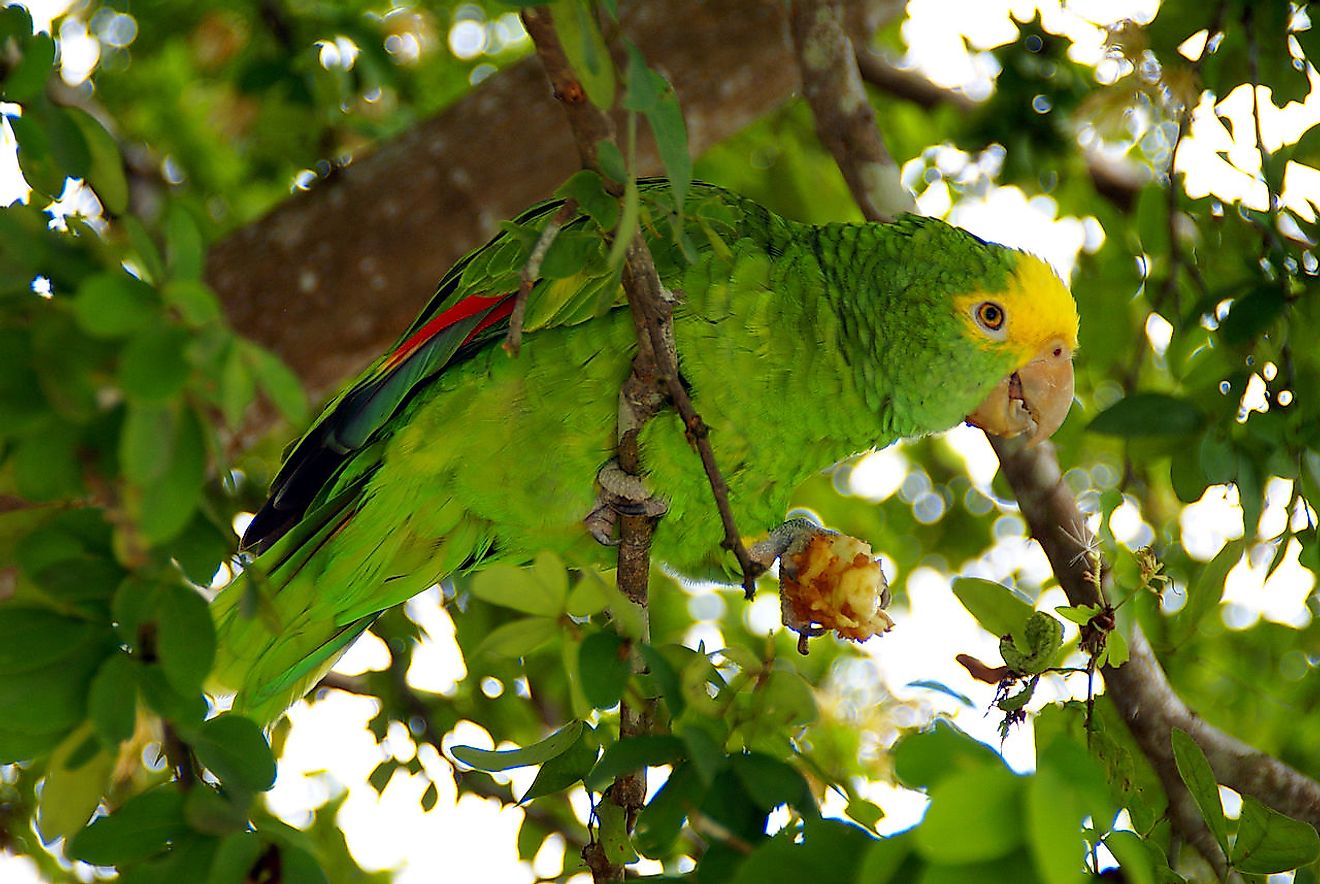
column 800, row 346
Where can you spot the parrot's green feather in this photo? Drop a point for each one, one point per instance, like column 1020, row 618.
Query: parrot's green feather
column 800, row 346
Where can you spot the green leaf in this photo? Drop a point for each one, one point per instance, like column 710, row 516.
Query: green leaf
column 704, row 750
column 194, row 300
column 25, row 80
column 1148, row 414
column 154, row 365
column 166, row 504
column 1205, row 591
column 1251, row 315
column 1054, row 822
column 588, row 189
column 565, row 769
column 235, row 858
column 212, row 813
column 519, row 638
column 48, row 466
column 974, row 815
column 1079, row 614
column 185, row 250
column 651, row 94
column 832, row 845
column 541, row 589
column 1200, row 779
column 1269, row 842
column 923, row 760
column 1116, row 649
column 665, row 677
column 113, row 305
column 1034, row 650
column 139, row 829
column 72, row 790
column 185, row 638
column 605, row 665
column 611, row 161
column 279, row 384
column 32, row 637
column 660, row 822
column 868, row 813
column 589, row 596
column 585, row 49
column 1000, row 611
column 106, row 174
column 185, row 710
column 538, row 753
column 233, row 747
column 787, row 700
column 771, row 782
column 632, row 754
column 941, row 688
column 112, row 700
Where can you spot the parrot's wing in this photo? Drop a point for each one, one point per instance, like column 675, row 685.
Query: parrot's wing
column 469, row 311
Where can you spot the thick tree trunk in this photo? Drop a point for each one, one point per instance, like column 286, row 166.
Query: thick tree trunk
column 329, row 277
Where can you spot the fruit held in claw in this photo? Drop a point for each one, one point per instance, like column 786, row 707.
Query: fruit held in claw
column 832, row 582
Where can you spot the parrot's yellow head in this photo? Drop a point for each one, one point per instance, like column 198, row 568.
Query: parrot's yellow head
column 1034, row 318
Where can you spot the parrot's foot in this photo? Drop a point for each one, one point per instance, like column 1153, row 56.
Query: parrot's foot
column 827, row 581
column 620, row 494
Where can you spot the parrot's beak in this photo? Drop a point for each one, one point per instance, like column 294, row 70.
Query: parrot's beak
column 1033, row 400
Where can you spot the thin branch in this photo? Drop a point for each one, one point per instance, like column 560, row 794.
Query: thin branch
column 1118, row 181
column 1139, row 689
column 844, row 118
column 531, row 272
column 908, row 84
column 640, row 398
column 179, row 756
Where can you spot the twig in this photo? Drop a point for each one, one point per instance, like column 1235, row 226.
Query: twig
column 713, row 828
column 531, row 272
column 909, row 85
column 1253, row 67
column 179, row 756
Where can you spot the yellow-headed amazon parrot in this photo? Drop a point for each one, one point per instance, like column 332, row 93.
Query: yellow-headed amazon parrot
column 799, row 345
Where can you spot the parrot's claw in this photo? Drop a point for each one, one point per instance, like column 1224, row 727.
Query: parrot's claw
column 790, row 535
column 600, row 522
column 620, row 494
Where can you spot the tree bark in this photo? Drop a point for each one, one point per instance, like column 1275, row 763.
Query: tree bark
column 330, row 277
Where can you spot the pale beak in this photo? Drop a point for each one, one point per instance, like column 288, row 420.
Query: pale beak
column 1033, row 400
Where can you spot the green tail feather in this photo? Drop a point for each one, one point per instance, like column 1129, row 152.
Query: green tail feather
column 271, row 645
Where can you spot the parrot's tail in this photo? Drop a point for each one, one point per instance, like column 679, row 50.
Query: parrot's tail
column 273, row 641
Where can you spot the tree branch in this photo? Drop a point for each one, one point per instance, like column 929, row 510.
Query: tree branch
column 642, row 391
column 1139, row 689
column 844, row 118
column 1116, row 180
column 330, row 276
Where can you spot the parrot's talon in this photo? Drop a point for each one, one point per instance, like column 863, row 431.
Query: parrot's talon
column 620, row 494
column 627, row 494
column 600, row 523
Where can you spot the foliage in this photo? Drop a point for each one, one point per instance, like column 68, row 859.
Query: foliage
column 123, row 394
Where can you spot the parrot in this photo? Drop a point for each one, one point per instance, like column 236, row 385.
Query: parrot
column 799, row 345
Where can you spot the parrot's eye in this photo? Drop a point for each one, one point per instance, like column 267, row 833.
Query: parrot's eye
column 990, row 315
